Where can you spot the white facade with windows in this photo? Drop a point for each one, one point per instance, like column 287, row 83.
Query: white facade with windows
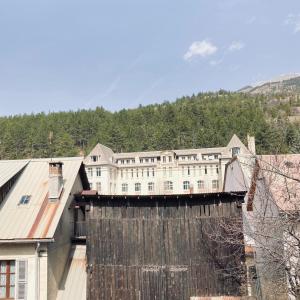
column 161, row 172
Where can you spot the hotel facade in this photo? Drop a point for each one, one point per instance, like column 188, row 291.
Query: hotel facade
column 166, row 172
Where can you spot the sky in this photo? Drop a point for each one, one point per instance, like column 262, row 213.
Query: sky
column 58, row 55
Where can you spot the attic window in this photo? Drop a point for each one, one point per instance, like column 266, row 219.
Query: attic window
column 94, row 158
column 24, row 199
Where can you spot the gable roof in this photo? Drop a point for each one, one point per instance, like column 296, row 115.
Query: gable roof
column 39, row 218
column 103, row 153
column 236, row 142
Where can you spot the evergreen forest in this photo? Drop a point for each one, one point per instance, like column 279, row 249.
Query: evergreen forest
column 203, row 120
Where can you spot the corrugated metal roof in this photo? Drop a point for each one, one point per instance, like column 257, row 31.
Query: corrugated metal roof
column 9, row 168
column 73, row 284
column 39, row 218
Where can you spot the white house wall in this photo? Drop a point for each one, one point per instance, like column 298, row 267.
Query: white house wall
column 58, row 252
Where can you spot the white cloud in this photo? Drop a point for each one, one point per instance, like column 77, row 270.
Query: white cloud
column 200, row 48
column 293, row 20
column 236, row 46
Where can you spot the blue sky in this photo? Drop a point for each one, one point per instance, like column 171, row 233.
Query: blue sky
column 62, row 54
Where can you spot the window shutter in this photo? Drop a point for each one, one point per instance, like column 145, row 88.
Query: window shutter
column 21, row 279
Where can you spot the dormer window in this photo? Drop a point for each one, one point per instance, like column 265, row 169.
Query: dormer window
column 24, row 200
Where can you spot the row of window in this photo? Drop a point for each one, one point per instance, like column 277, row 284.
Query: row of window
column 168, row 186
column 150, row 172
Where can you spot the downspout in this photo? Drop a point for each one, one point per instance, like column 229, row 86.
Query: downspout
column 37, row 271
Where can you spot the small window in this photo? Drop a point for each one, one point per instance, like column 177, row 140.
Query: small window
column 164, row 159
column 217, row 169
column 236, row 151
column 137, row 187
column 153, row 172
column 205, row 170
column 189, row 171
column 215, row 184
column 200, row 184
column 24, row 199
column 94, row 158
column 98, row 185
column 98, row 172
column 164, row 171
column 150, row 186
column 124, row 187
column 170, row 158
column 168, row 185
column 90, row 172
column 186, row 185
column 7, row 283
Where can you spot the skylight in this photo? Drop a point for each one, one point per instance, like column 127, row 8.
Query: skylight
column 24, row 200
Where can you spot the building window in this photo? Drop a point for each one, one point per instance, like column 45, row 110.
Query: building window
column 217, row 169
column 152, row 159
column 168, row 185
column 153, row 172
column 164, row 171
column 91, row 185
column 236, row 151
column 98, row 172
column 124, row 187
column 186, row 185
column 148, row 173
column 90, row 172
column 200, row 184
column 170, row 171
column 24, row 199
column 189, row 171
column 7, row 279
column 131, row 173
column 98, row 186
column 94, row 158
column 137, row 187
column 137, row 173
column 121, row 171
column 205, row 170
column 215, row 184
column 150, row 186
column 211, row 170
column 170, row 158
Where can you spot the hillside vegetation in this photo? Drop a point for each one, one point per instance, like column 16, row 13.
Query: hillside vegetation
column 205, row 120
column 288, row 86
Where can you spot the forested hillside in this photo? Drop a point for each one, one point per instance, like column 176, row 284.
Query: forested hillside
column 205, row 120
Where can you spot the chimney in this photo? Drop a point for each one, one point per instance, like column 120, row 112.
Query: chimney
column 251, row 144
column 55, row 180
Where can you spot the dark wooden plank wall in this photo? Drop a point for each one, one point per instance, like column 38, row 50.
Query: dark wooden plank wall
column 154, row 249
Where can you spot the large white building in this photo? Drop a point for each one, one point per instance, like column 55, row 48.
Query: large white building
column 162, row 172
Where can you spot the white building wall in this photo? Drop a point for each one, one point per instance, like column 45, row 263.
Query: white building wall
column 58, row 252
column 23, row 252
